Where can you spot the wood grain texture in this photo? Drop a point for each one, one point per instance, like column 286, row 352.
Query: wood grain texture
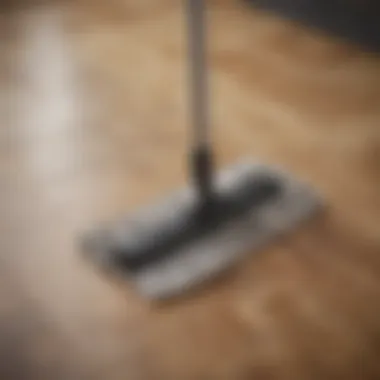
column 94, row 123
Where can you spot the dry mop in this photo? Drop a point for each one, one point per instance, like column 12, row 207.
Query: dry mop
column 197, row 232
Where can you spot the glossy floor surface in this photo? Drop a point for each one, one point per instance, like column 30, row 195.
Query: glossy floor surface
column 94, row 123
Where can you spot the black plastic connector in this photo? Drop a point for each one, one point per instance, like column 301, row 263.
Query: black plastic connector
column 202, row 167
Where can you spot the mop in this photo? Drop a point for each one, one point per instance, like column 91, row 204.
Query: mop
column 198, row 232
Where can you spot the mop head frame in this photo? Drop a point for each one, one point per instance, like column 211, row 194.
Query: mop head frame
column 212, row 249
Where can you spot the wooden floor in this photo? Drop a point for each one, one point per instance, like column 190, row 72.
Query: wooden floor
column 94, row 123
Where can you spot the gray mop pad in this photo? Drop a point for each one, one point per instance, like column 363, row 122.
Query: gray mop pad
column 204, row 257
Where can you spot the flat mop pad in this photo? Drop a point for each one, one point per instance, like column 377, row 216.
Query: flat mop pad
column 196, row 233
column 216, row 247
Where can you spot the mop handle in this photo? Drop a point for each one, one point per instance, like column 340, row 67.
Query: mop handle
column 198, row 77
column 201, row 164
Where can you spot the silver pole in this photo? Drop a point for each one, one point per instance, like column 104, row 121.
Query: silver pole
column 198, row 76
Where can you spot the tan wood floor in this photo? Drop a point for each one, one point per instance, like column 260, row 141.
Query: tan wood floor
column 94, row 123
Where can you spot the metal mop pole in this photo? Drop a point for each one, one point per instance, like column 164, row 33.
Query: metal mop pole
column 201, row 152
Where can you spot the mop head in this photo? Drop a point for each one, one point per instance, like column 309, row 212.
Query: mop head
column 170, row 247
